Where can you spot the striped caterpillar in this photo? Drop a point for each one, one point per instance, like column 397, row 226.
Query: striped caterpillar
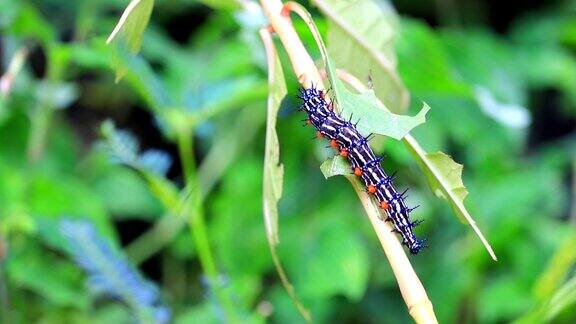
column 344, row 137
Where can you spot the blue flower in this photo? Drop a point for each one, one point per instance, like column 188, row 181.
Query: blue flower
column 110, row 274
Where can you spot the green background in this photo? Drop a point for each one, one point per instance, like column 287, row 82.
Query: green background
column 502, row 87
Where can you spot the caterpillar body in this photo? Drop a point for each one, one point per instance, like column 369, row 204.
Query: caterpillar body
column 345, row 137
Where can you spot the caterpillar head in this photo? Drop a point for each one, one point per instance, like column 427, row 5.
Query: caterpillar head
column 416, row 246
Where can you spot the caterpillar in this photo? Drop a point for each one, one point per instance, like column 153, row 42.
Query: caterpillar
column 345, row 137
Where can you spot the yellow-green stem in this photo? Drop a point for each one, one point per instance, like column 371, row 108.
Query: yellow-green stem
column 42, row 116
column 197, row 225
column 214, row 164
column 40, row 125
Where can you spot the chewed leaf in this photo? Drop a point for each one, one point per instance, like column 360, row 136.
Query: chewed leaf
column 335, row 166
column 373, row 117
column 371, row 114
column 451, row 184
column 451, row 171
column 372, row 38
column 445, row 179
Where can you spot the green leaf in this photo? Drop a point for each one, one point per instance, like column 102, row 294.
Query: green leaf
column 28, row 22
column 335, row 166
column 373, row 116
column 123, row 147
column 361, row 40
column 338, row 263
column 56, row 95
column 247, row 255
column 452, row 172
column 142, row 79
column 52, row 196
column 564, row 298
column 56, row 281
column 130, row 29
column 273, row 169
column 222, row 4
column 132, row 24
column 207, row 313
column 482, row 59
column 552, row 300
column 501, row 299
column 125, row 195
column 557, row 270
column 92, row 54
column 445, row 179
column 200, row 313
column 70, row 198
column 109, row 313
column 433, row 75
column 224, row 96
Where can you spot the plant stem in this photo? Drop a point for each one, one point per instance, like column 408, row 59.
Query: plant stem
column 4, row 304
column 573, row 209
column 40, row 124
column 42, row 116
column 160, row 235
column 302, row 62
column 195, row 215
column 215, row 163
column 411, row 289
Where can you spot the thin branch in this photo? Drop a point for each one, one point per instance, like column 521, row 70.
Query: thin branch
column 411, row 288
column 573, row 207
column 302, row 63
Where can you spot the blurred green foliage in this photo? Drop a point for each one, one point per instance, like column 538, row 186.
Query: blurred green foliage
column 503, row 104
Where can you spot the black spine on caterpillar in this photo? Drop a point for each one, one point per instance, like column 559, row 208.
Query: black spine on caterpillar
column 344, row 136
